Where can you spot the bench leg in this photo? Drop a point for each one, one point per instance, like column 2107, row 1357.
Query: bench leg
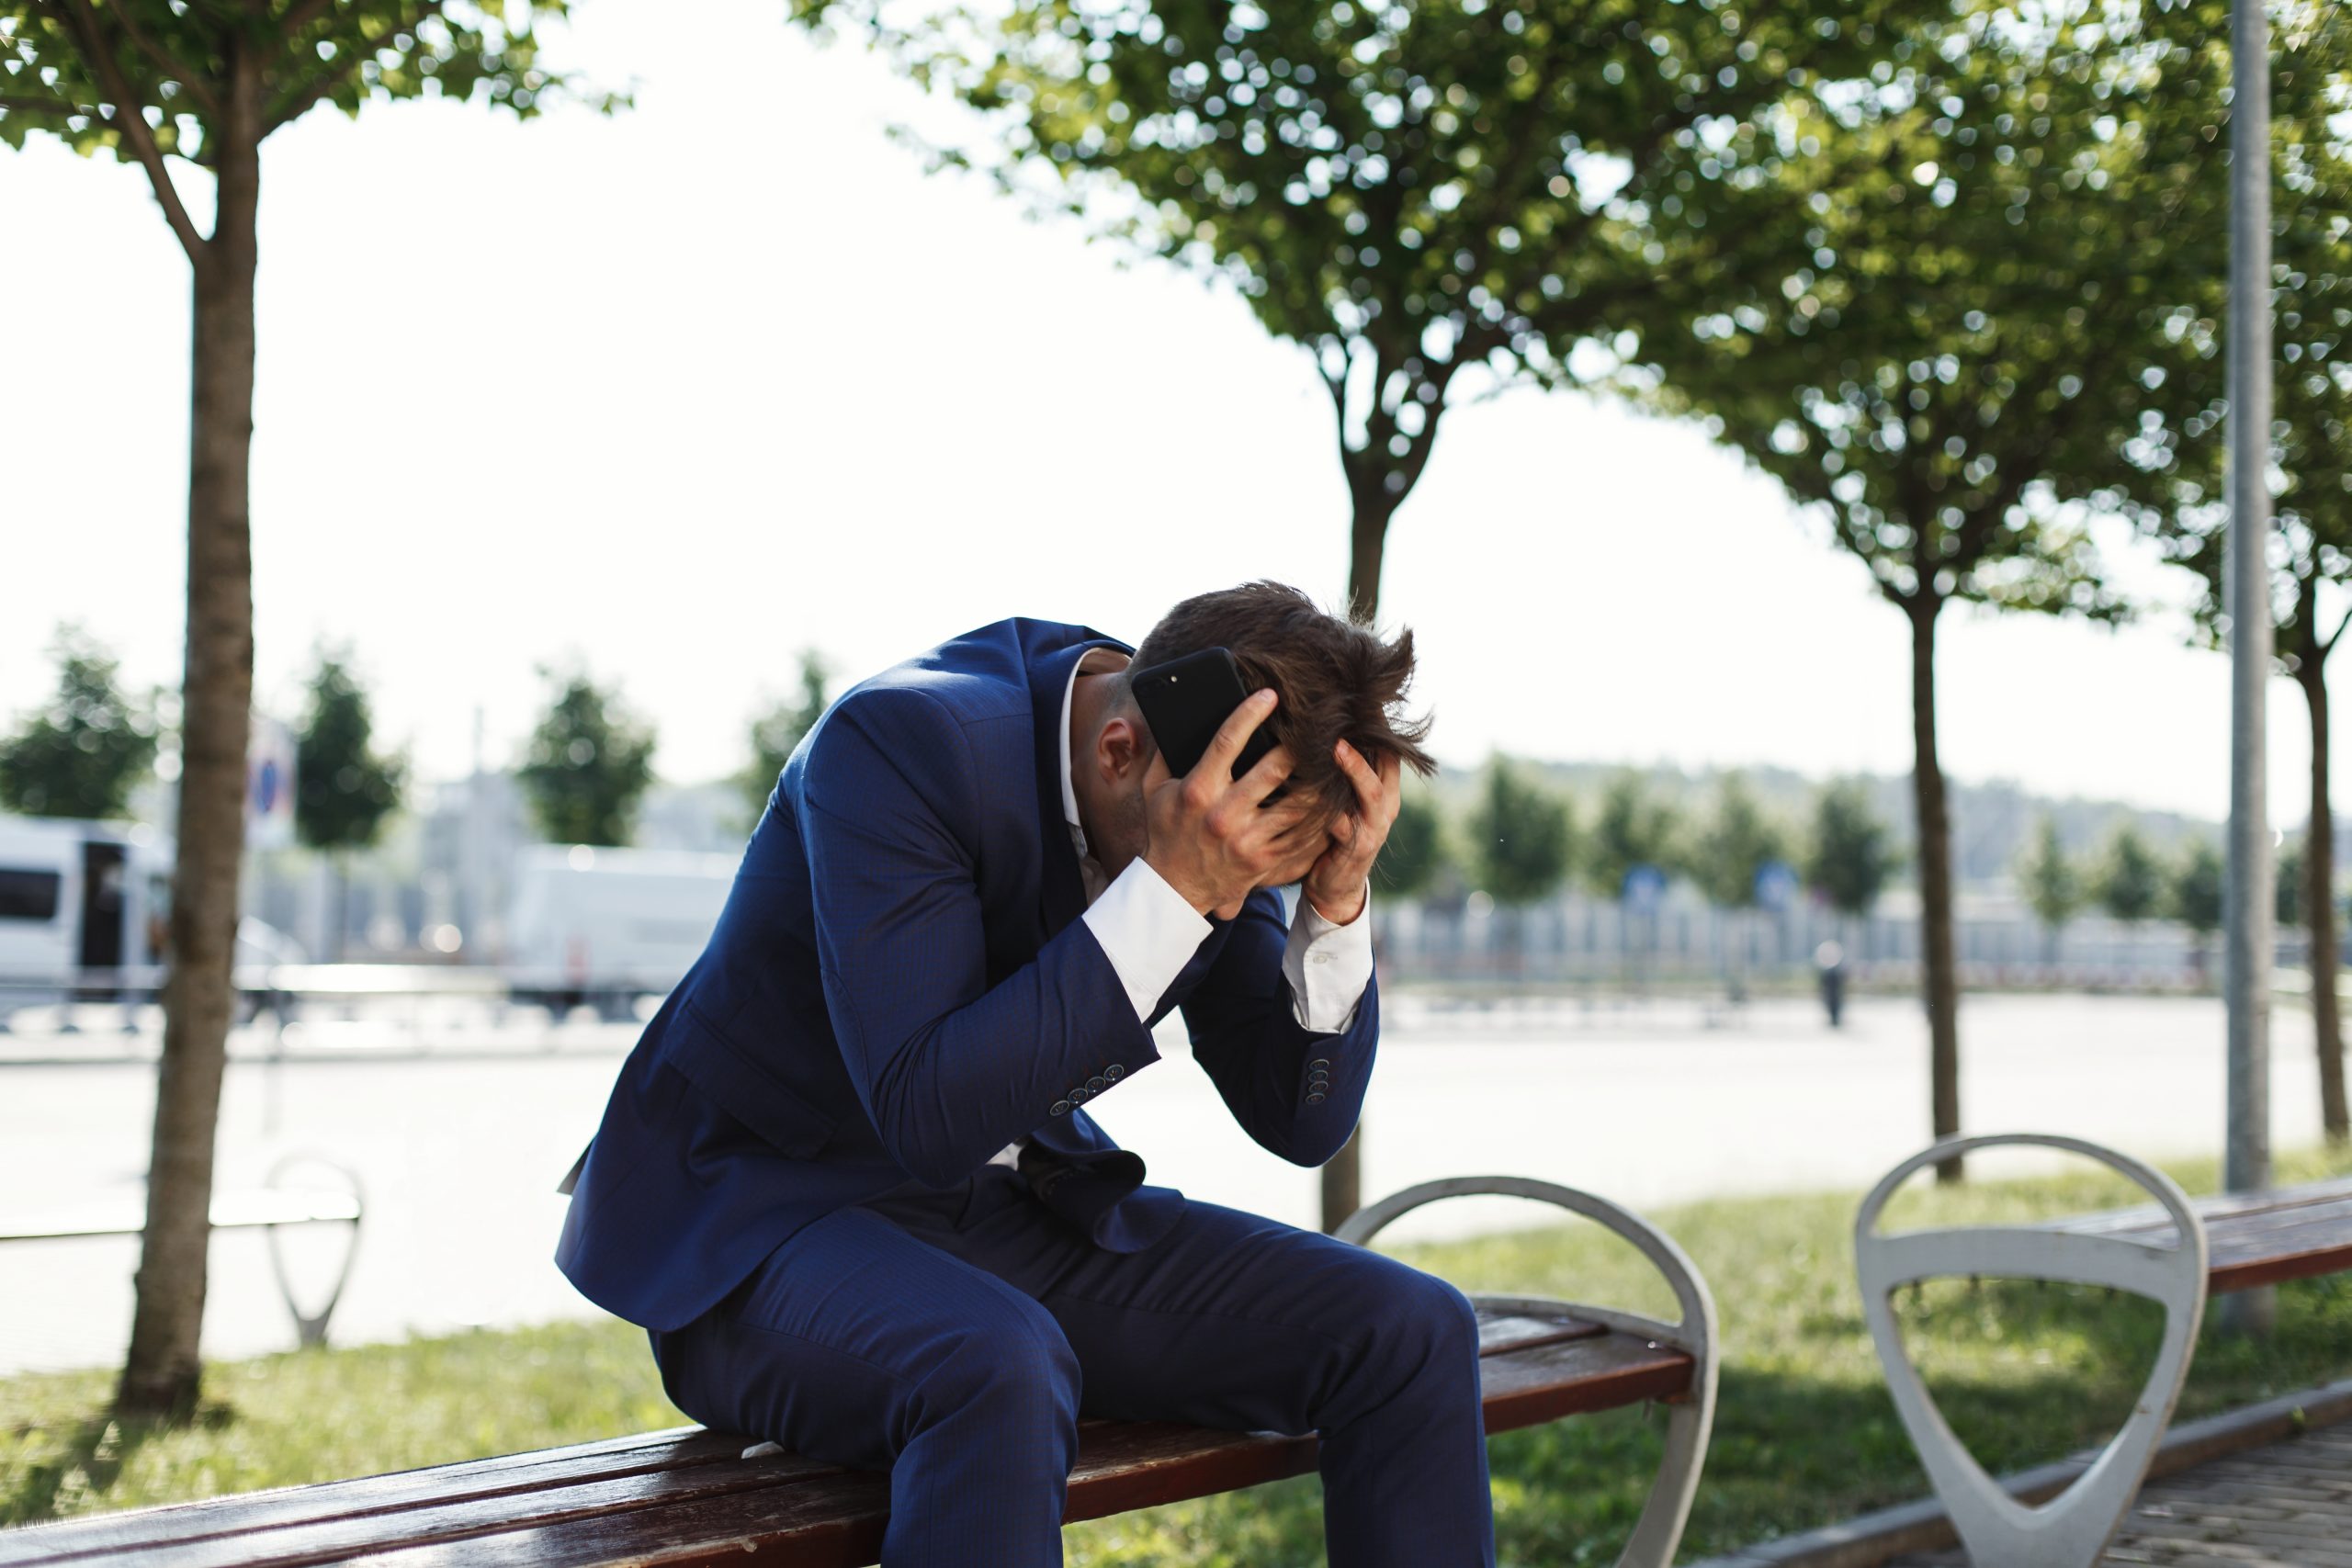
column 1690, row 1422
column 2073, row 1530
column 311, row 1328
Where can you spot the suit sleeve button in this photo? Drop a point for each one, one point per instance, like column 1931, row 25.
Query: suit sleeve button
column 1114, row 1072
column 1061, row 1108
column 1319, row 1063
column 1097, row 1085
column 1315, row 1098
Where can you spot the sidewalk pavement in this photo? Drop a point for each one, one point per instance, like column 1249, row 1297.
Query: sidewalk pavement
column 2286, row 1505
column 2266, row 1487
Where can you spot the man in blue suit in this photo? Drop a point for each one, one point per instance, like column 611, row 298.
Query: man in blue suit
column 845, row 1180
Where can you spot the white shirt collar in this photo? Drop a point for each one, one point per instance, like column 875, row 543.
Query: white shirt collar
column 1095, row 661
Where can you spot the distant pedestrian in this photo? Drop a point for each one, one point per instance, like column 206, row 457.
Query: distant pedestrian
column 1830, row 959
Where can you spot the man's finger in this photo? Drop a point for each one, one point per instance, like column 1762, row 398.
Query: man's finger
column 1224, row 746
column 1368, row 784
column 1266, row 776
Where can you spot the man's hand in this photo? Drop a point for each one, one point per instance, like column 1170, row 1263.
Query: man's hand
column 1335, row 884
column 1211, row 837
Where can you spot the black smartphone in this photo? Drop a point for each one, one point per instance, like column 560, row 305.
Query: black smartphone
column 1186, row 701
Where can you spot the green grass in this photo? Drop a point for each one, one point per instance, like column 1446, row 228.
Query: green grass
column 1803, row 1433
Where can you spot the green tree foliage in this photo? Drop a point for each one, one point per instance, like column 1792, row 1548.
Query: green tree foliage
column 1416, row 848
column 1405, row 191
column 176, row 86
column 589, row 764
column 1525, row 834
column 343, row 787
column 2052, row 882
column 82, row 754
column 1636, row 825
column 778, row 731
column 2194, row 896
column 2130, row 879
column 1737, row 841
column 1849, row 858
column 1958, row 286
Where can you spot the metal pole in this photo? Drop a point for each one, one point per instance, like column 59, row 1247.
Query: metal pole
column 2251, row 949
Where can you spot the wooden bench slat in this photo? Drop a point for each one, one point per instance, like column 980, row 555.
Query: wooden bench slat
column 2220, row 1211
column 643, row 1498
column 2320, row 1245
column 501, row 1476
column 230, row 1210
column 2253, row 1238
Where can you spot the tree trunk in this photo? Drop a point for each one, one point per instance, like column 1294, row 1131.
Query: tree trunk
column 2319, row 904
column 341, row 875
column 1367, row 541
column 1939, row 970
column 161, row 1373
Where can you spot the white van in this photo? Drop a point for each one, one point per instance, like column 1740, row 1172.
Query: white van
column 609, row 926
column 82, row 905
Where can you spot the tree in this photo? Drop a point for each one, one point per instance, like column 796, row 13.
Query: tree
column 1409, row 862
column 589, row 763
column 1406, row 192
column 2131, row 883
column 1636, row 826
column 2195, row 894
column 174, row 87
column 1525, row 838
column 83, row 754
column 2311, row 454
column 344, row 788
column 2052, row 884
column 1728, row 857
column 1951, row 310
column 1849, row 858
column 1737, row 841
column 778, row 731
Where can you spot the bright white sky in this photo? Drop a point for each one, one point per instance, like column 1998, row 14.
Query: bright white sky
column 683, row 391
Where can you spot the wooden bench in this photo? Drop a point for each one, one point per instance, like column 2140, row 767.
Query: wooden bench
column 269, row 1209
column 697, row 1496
column 2252, row 1239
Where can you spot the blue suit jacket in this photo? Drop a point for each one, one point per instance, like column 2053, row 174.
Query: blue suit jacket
column 900, row 986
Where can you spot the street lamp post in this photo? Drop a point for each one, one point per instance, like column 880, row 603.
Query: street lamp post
column 2250, row 950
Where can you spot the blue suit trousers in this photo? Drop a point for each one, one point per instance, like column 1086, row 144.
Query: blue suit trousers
column 954, row 1338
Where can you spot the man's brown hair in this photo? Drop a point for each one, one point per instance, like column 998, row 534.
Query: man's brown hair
column 1337, row 681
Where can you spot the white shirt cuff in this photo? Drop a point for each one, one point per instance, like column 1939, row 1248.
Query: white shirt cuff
column 1327, row 966
column 1148, row 931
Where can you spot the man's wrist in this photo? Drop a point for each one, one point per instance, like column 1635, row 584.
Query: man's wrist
column 1161, row 871
column 1353, row 903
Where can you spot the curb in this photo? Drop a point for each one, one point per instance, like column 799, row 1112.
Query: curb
column 1871, row 1539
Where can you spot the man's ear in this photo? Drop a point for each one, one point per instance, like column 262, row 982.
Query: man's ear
column 1122, row 748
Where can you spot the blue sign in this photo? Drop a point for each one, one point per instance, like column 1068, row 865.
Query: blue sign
column 1776, row 886
column 1645, row 886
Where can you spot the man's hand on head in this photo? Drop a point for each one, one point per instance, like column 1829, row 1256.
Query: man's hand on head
column 1214, row 838
column 1335, row 884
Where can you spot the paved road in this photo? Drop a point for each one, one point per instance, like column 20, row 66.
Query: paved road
column 460, row 1150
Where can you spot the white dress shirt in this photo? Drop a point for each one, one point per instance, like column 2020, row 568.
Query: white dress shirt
column 1149, row 931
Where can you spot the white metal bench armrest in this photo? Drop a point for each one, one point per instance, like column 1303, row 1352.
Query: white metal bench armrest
column 1690, row 1422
